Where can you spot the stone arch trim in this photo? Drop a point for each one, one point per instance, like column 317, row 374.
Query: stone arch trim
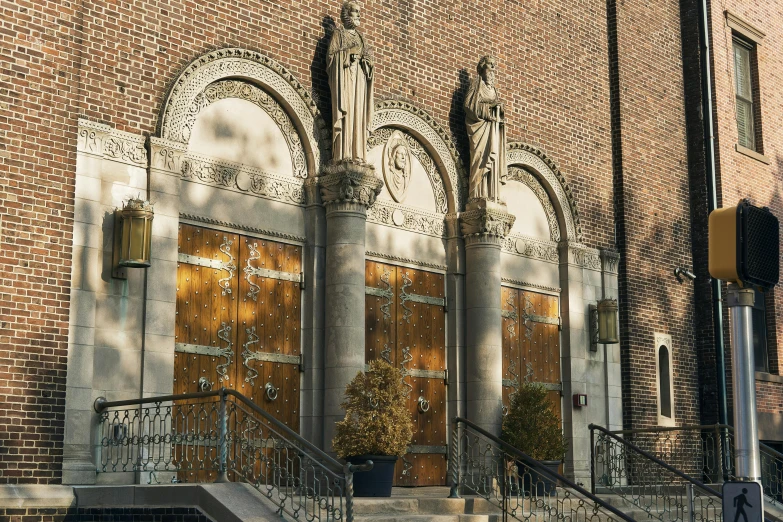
column 406, row 116
column 235, row 63
column 524, row 155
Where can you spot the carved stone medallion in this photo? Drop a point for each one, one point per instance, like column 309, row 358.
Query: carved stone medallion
column 397, row 166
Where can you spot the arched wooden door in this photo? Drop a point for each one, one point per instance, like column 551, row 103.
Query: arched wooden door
column 531, row 343
column 238, row 322
column 406, row 325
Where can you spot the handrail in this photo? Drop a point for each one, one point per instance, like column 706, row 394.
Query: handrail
column 658, row 461
column 101, row 404
column 540, row 468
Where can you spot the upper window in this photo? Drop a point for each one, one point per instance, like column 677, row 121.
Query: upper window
column 745, row 89
column 665, row 381
column 760, row 355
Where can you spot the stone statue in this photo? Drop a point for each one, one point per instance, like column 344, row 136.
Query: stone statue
column 350, row 71
column 485, row 122
column 397, row 166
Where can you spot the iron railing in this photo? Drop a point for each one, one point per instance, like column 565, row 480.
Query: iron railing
column 707, row 453
column 222, row 436
column 521, row 487
column 640, row 478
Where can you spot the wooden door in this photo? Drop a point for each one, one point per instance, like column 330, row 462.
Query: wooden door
column 531, row 343
column 406, row 325
column 237, row 326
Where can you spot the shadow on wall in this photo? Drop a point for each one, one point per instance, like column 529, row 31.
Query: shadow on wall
column 457, row 117
column 320, row 87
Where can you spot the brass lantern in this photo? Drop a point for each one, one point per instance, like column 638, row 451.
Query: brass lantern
column 603, row 323
column 132, row 236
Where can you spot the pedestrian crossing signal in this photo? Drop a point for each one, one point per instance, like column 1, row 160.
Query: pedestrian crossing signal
column 744, row 245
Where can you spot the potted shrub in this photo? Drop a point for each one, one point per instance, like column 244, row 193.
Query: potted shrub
column 533, row 427
column 377, row 427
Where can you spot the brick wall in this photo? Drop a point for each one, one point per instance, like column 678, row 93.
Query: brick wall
column 652, row 204
column 39, row 73
column 103, row 515
column 114, row 61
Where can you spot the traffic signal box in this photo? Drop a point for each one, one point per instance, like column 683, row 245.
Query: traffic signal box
column 744, row 245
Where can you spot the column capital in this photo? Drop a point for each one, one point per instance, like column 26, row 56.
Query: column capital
column 349, row 183
column 485, row 222
column 610, row 259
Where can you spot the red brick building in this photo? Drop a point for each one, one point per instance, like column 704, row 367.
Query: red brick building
column 104, row 100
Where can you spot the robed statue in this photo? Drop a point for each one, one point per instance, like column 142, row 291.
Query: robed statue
column 350, row 71
column 485, row 122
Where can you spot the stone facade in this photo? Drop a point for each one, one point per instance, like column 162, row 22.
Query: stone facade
column 100, row 103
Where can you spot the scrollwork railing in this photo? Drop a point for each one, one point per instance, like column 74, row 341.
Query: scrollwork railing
column 223, row 436
column 703, row 452
column 523, row 488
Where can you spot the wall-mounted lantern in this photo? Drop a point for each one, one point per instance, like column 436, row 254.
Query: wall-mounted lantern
column 132, row 237
column 603, row 323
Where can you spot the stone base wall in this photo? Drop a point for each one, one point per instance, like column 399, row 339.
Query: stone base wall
column 103, row 515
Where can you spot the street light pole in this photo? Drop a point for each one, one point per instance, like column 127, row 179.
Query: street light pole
column 746, row 443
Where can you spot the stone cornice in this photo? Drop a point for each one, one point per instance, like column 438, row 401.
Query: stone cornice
column 533, row 248
column 104, row 141
column 744, row 28
column 405, row 260
column 241, row 178
column 579, row 255
column 166, row 155
column 533, row 286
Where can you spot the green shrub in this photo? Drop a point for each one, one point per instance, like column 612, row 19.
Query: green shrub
column 532, row 425
column 377, row 420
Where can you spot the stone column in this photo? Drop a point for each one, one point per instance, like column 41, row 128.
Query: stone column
column 610, row 260
column 313, row 315
column 484, row 224
column 348, row 188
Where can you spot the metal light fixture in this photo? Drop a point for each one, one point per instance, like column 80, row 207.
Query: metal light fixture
column 603, row 323
column 132, row 237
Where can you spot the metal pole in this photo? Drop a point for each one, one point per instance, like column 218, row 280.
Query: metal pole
column 223, row 438
column 691, row 502
column 746, row 442
column 592, row 459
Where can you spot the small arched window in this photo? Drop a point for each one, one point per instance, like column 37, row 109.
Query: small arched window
column 664, row 381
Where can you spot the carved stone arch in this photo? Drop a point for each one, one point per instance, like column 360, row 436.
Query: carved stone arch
column 534, row 160
column 404, row 115
column 276, row 80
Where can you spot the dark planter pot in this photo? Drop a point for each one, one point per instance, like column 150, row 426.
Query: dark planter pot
column 538, row 484
column 378, row 481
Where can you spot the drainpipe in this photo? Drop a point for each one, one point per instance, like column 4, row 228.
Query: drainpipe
column 712, row 196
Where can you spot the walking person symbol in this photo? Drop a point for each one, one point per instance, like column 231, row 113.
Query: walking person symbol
column 740, row 501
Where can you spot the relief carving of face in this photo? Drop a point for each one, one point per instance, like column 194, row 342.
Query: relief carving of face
column 397, row 166
column 400, row 158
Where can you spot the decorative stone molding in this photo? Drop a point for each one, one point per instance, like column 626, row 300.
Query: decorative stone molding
column 242, row 90
column 406, row 218
column 102, row 140
column 240, row 178
column 581, row 256
column 524, row 155
column 610, row 261
column 349, row 181
column 382, row 135
column 532, row 248
column 258, row 69
column 234, row 226
column 485, row 221
column 532, row 286
column 404, row 115
column 90, row 137
column 405, row 260
column 529, row 180
column 166, row 155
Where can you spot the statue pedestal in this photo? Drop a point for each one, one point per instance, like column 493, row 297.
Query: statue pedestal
column 348, row 188
column 484, row 224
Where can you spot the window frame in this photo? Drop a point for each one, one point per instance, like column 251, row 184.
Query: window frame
column 664, row 341
column 750, row 140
